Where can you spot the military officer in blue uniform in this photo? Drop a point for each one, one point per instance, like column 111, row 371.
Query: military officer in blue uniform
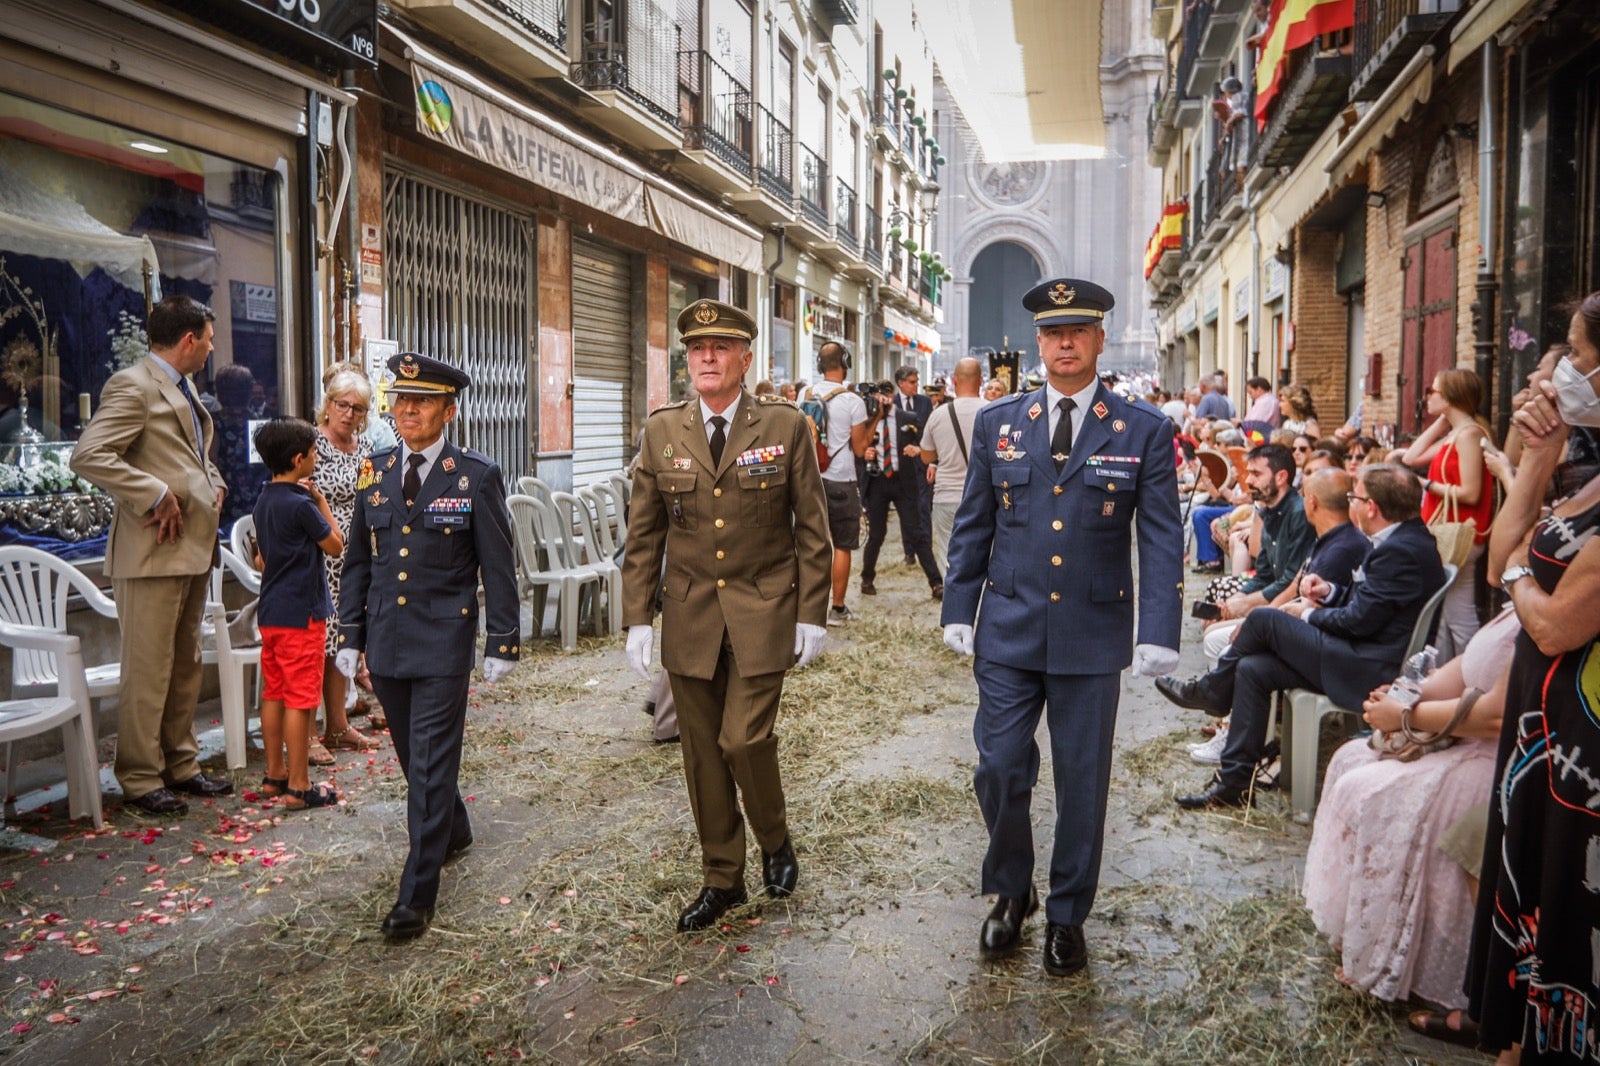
column 430, row 523
column 1042, row 540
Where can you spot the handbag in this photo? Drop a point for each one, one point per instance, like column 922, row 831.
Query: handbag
column 1455, row 537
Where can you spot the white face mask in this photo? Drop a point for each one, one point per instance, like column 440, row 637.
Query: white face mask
column 1575, row 397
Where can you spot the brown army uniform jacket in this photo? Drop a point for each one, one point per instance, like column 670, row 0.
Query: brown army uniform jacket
column 746, row 543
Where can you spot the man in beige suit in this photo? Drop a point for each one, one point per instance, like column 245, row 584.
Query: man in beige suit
column 147, row 448
column 727, row 487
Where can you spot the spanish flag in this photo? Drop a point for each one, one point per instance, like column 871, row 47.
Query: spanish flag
column 1168, row 234
column 1295, row 23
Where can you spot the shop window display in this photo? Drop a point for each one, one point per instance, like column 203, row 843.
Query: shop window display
column 96, row 222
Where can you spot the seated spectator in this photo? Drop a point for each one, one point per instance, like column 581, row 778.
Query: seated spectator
column 1396, row 907
column 1299, row 414
column 1263, row 408
column 1321, row 459
column 1340, row 642
column 1286, row 536
column 1214, row 402
column 1209, row 505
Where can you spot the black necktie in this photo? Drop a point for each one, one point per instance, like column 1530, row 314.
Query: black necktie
column 412, row 485
column 1061, row 440
column 194, row 411
column 719, row 438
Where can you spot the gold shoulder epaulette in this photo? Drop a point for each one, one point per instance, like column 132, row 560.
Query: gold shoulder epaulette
column 670, row 406
column 772, row 397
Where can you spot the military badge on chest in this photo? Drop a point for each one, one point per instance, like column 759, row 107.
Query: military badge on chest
column 1007, row 448
column 367, row 477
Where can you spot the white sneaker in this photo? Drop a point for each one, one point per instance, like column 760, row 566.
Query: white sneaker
column 1210, row 753
column 839, row 615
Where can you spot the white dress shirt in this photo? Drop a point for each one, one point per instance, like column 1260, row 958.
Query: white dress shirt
column 707, row 414
column 1082, row 400
column 429, row 455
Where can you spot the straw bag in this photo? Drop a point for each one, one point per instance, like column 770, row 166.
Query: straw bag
column 1455, row 537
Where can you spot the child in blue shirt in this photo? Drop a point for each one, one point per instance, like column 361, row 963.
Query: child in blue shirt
column 294, row 528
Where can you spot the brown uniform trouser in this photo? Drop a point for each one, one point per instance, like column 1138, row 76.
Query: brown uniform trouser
column 726, row 728
column 160, row 618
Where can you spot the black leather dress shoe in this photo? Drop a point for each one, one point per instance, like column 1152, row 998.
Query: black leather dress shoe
column 1217, row 794
column 780, row 871
column 406, row 923
column 1002, row 930
column 1197, row 694
column 459, row 844
column 159, row 801
column 708, row 906
column 1064, row 951
column 202, row 785
column 868, row 589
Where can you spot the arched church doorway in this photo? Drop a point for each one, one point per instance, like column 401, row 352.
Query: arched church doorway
column 1001, row 274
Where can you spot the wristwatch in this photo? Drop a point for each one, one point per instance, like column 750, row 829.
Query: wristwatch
column 1512, row 575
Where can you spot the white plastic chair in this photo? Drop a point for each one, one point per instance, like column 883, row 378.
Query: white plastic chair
column 231, row 662
column 611, row 514
column 529, row 485
column 242, row 539
column 1300, row 746
column 71, row 711
column 589, row 550
column 35, row 590
column 544, row 565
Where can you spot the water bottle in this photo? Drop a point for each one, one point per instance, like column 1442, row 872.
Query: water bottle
column 1407, row 688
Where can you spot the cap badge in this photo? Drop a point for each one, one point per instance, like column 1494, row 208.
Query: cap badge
column 1100, row 410
column 1062, row 295
column 409, row 368
column 705, row 314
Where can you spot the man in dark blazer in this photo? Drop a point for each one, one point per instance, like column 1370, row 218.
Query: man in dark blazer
column 1344, row 651
column 430, row 524
column 896, row 454
column 1043, row 537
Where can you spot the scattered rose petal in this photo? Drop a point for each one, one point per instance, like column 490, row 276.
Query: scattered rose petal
column 504, row 900
column 772, row 980
column 743, row 948
column 682, row 978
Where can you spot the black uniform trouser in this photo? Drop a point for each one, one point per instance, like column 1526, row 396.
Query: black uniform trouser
column 877, row 493
column 427, row 717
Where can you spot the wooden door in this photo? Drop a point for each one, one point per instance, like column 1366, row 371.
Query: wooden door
column 1428, row 320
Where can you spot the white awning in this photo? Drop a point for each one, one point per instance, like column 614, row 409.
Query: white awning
column 1409, row 91
column 1482, row 21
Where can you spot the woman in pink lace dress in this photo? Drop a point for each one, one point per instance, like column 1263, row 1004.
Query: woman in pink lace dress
column 1397, row 909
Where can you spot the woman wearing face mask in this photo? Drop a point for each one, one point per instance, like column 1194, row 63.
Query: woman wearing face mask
column 1533, row 972
column 1452, row 450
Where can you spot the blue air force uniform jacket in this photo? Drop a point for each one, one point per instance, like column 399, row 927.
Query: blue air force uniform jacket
column 408, row 595
column 1050, row 555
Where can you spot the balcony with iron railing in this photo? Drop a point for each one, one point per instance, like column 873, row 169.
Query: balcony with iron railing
column 1315, row 87
column 525, row 37
column 775, row 155
column 1233, row 132
column 872, row 245
column 1387, row 34
column 715, row 111
column 844, row 216
column 886, row 120
column 811, row 196
column 1194, row 20
column 630, row 69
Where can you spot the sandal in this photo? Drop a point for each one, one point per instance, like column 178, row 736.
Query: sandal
column 376, row 719
column 350, row 739
column 1437, row 1025
column 274, row 786
column 301, row 799
column 318, row 755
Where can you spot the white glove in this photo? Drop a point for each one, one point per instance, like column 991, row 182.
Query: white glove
column 808, row 642
column 958, row 638
column 347, row 661
column 495, row 669
column 641, row 642
column 1152, row 660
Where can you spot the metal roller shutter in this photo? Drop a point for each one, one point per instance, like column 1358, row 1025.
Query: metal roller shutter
column 602, row 373
column 460, row 279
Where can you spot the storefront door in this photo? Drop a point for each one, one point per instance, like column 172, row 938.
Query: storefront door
column 1428, row 321
column 602, row 358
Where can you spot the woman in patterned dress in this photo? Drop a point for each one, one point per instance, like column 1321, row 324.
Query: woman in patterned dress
column 346, row 404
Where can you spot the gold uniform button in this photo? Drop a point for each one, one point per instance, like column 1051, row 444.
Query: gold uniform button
column 1056, row 524
column 341, row 640
column 401, row 601
column 404, row 552
column 402, row 575
column 763, row 484
column 716, row 492
column 721, row 554
column 721, row 584
column 405, row 529
column 513, row 647
column 463, row 610
column 1055, row 597
column 718, row 523
column 1058, row 490
column 447, row 532
column 1111, row 488
column 502, row 647
column 1055, row 560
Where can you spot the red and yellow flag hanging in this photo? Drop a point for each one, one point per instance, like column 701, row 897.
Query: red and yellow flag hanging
column 1168, row 234
column 1295, row 23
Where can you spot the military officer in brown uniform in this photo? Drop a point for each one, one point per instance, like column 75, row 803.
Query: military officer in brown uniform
column 727, row 488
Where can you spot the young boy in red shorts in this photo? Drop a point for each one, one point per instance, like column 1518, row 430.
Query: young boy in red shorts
column 293, row 529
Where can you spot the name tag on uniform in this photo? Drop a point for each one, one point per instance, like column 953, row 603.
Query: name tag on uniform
column 759, row 471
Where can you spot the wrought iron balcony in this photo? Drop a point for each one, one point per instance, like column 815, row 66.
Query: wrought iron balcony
column 716, row 110
column 838, row 12
column 1194, row 26
column 1388, row 33
column 1316, row 88
column 641, row 69
column 545, row 19
column 844, row 215
column 872, row 247
column 775, row 161
column 812, row 195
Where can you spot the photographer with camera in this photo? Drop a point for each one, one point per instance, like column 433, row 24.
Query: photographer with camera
column 892, row 472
